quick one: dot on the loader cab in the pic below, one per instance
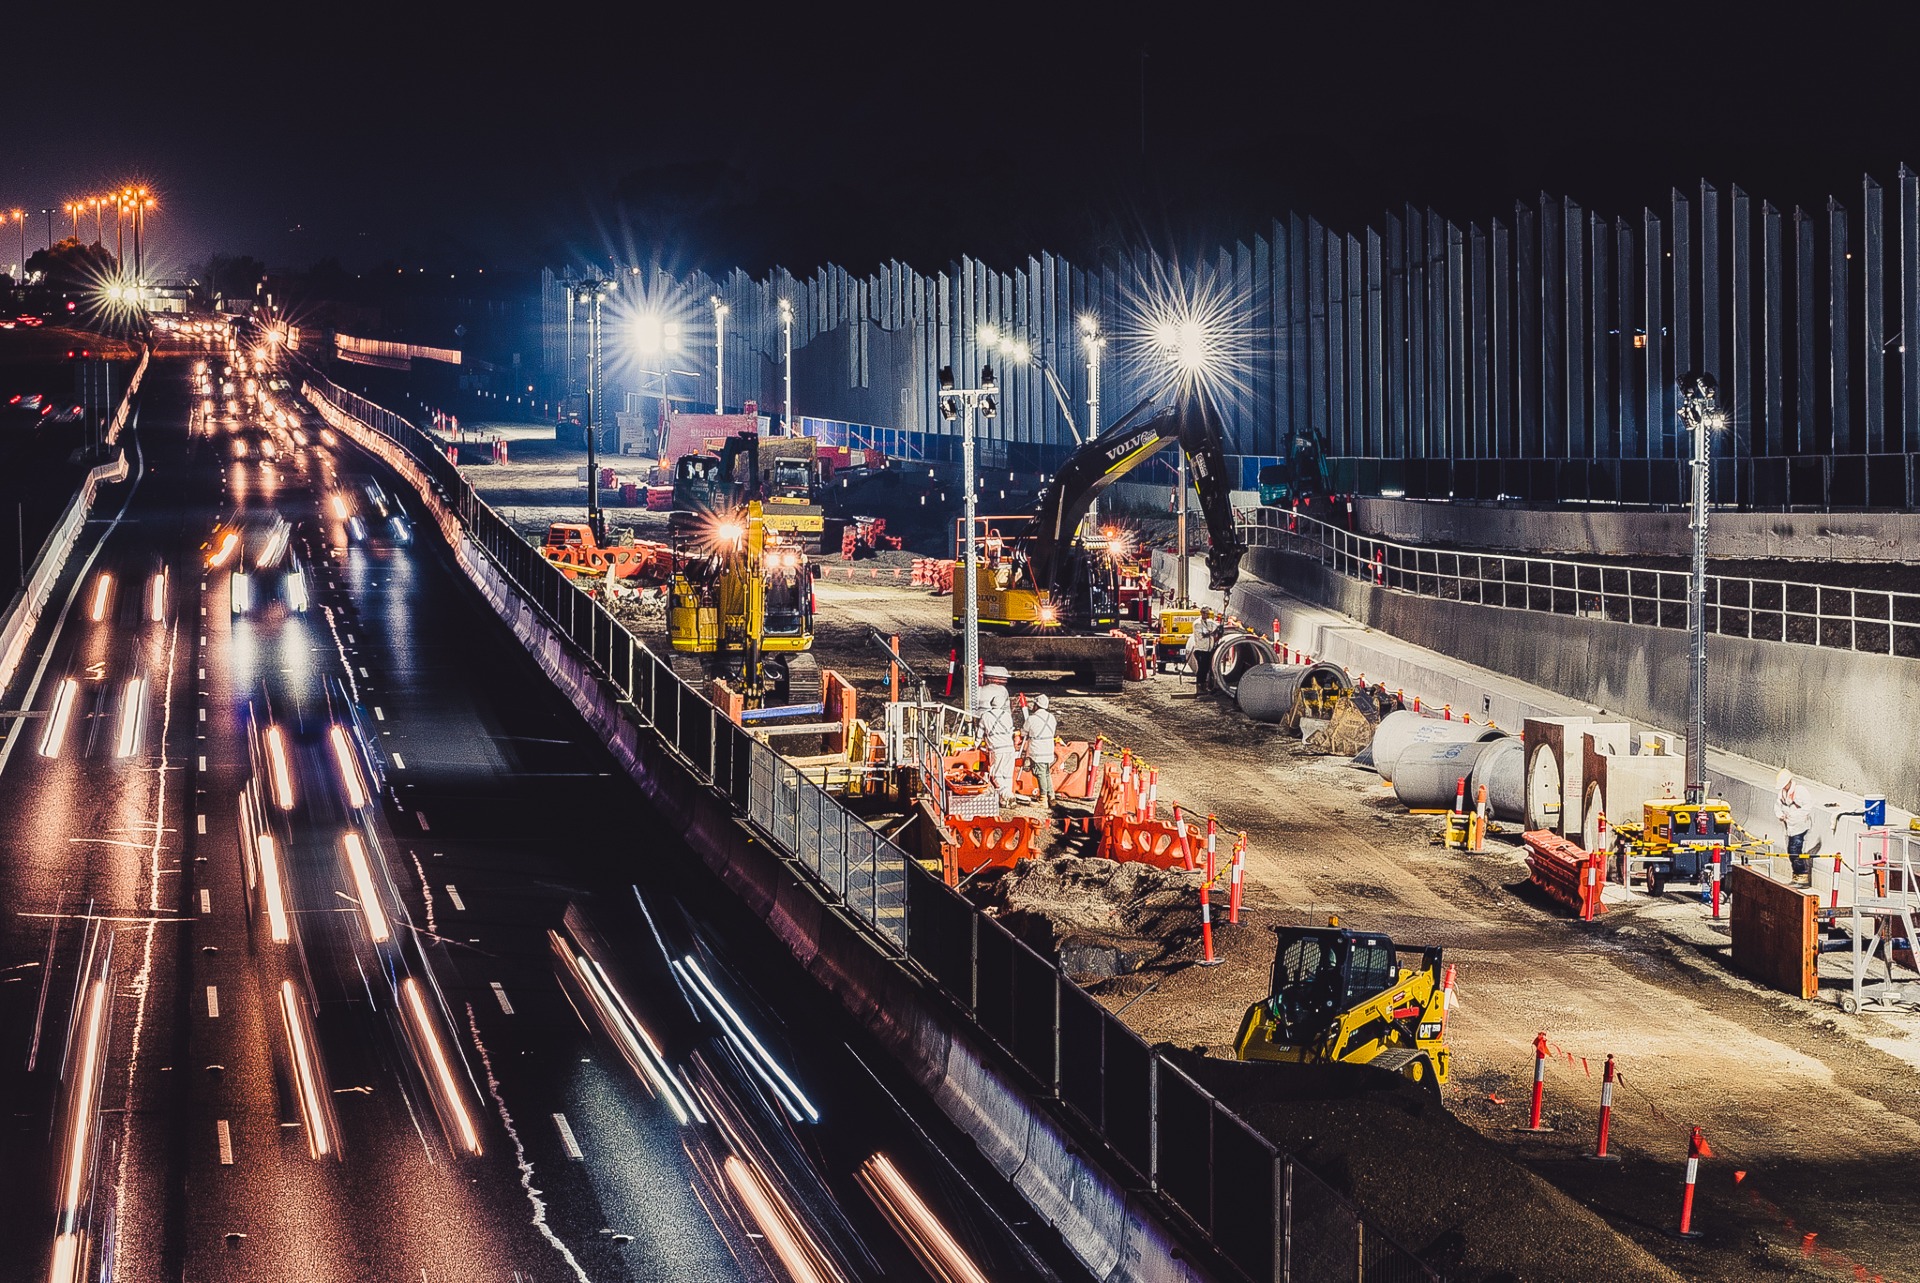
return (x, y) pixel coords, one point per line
(789, 587)
(700, 483)
(791, 481)
(1320, 972)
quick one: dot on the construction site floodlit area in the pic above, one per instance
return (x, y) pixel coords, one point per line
(1536, 1007)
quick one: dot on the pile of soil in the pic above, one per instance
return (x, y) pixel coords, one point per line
(1437, 1187)
(1104, 918)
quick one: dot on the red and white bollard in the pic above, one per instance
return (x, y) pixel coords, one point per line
(1093, 765)
(1233, 888)
(1276, 630)
(1600, 1153)
(1416, 703)
(1212, 828)
(1153, 793)
(1446, 712)
(1446, 997)
(1539, 1083)
(1716, 872)
(1206, 925)
(1186, 845)
(1697, 1149)
(952, 655)
(1835, 901)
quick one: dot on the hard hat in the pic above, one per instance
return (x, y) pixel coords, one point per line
(1040, 700)
(995, 673)
(1783, 779)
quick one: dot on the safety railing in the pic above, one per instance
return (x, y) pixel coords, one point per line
(1267, 1214)
(1873, 621)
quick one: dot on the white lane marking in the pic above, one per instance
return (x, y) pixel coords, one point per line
(200, 823)
(203, 610)
(422, 817)
(206, 900)
(453, 894)
(363, 670)
(500, 995)
(520, 1153)
(225, 1135)
(203, 761)
(399, 762)
(566, 1136)
(203, 714)
(203, 639)
(203, 674)
(378, 714)
(213, 1002)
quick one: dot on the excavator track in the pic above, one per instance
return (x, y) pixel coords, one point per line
(803, 680)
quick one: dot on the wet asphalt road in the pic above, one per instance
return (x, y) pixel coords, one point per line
(444, 1103)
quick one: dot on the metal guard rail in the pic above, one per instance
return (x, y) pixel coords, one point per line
(1268, 1214)
(1872, 621)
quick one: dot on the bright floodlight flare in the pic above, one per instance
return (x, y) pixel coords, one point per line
(442, 1070)
(278, 768)
(915, 1222)
(57, 719)
(305, 1072)
(783, 1232)
(132, 715)
(102, 591)
(228, 543)
(363, 885)
(270, 890)
(1189, 334)
(157, 597)
(240, 592)
(349, 768)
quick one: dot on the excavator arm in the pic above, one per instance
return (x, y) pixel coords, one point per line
(1111, 456)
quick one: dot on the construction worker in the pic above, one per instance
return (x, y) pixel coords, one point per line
(1041, 728)
(1794, 816)
(996, 731)
(1200, 643)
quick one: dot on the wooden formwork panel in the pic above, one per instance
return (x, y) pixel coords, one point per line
(1774, 937)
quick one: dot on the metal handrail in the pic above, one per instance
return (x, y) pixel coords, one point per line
(1869, 620)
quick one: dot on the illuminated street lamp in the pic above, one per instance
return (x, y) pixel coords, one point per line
(19, 217)
(786, 328)
(1700, 411)
(74, 207)
(1021, 352)
(595, 290)
(952, 401)
(719, 356)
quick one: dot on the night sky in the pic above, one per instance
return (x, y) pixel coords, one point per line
(716, 134)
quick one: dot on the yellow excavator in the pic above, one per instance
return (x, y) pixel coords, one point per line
(1341, 996)
(740, 607)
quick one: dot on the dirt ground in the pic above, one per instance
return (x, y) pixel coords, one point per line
(1813, 1129)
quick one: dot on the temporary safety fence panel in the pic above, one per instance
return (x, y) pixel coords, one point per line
(1272, 1218)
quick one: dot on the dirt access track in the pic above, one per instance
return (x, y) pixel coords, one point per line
(1815, 1132)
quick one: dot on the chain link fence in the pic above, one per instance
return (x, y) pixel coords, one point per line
(1269, 1216)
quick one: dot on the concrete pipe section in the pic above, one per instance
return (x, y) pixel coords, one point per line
(1546, 787)
(1399, 730)
(1502, 769)
(1234, 655)
(1427, 777)
(1276, 692)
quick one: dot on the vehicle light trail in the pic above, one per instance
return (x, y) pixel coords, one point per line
(228, 542)
(784, 1234)
(132, 714)
(157, 597)
(785, 1090)
(636, 1044)
(442, 1071)
(363, 884)
(56, 732)
(278, 768)
(297, 590)
(102, 590)
(914, 1221)
(270, 889)
(305, 1072)
(349, 769)
(340, 508)
(66, 1264)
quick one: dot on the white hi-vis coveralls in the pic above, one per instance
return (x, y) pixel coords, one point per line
(996, 729)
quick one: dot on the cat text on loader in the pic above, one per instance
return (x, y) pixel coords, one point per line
(1343, 996)
(740, 607)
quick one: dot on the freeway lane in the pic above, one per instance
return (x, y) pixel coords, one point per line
(420, 1059)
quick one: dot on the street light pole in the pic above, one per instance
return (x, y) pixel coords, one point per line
(953, 400)
(1700, 411)
(786, 326)
(593, 291)
(1090, 332)
(719, 356)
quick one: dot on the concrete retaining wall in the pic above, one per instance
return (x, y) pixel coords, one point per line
(1838, 718)
(1611, 532)
(1116, 1233)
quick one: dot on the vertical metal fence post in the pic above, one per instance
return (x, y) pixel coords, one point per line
(1283, 1218)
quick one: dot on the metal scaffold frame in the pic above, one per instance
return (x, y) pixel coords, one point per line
(1884, 891)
